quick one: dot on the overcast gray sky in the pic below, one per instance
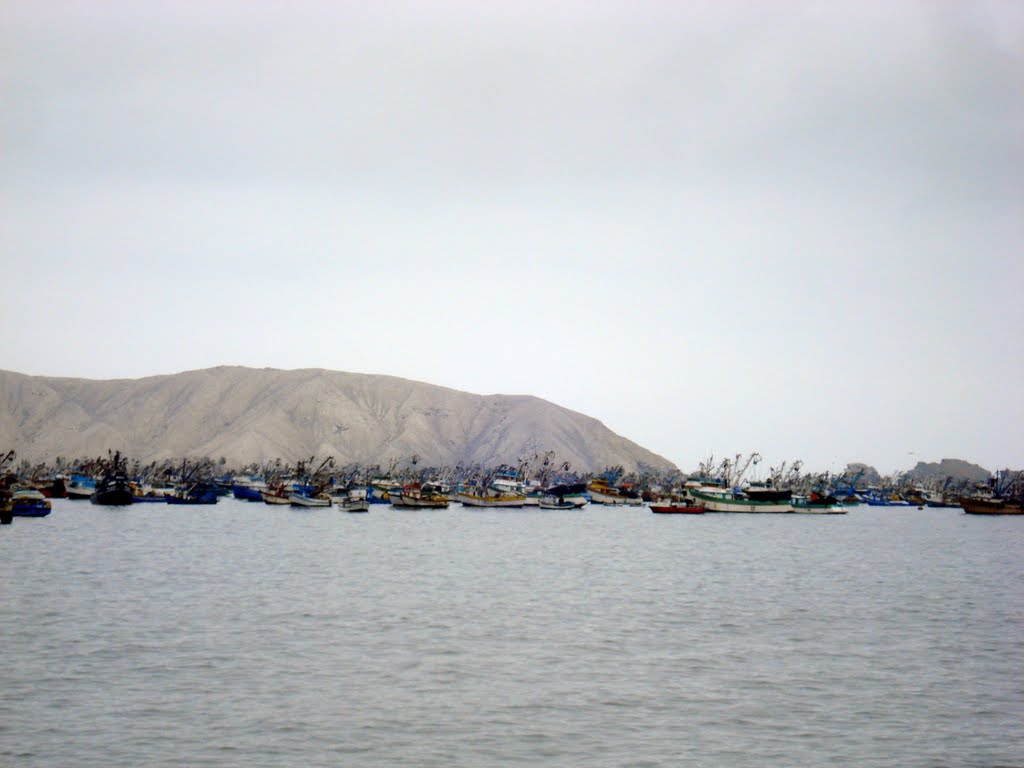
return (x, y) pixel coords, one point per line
(789, 227)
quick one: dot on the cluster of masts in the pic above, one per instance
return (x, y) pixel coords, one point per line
(539, 470)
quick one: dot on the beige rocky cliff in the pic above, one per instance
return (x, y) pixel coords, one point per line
(255, 415)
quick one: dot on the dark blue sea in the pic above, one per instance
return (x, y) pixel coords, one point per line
(250, 635)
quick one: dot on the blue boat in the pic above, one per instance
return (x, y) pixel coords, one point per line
(29, 503)
(248, 488)
(81, 486)
(197, 493)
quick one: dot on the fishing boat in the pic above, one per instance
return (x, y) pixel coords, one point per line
(29, 502)
(52, 488)
(151, 494)
(602, 492)
(419, 496)
(990, 506)
(569, 496)
(352, 499)
(309, 499)
(114, 489)
(355, 505)
(247, 488)
(501, 488)
(767, 493)
(81, 486)
(276, 494)
(308, 488)
(718, 499)
(507, 501)
(876, 497)
(816, 504)
(197, 493)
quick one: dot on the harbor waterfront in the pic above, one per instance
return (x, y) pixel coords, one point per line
(259, 635)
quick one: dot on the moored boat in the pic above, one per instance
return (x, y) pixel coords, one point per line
(151, 495)
(816, 504)
(193, 495)
(275, 494)
(81, 486)
(419, 496)
(727, 500)
(677, 507)
(569, 496)
(29, 502)
(990, 506)
(602, 492)
(247, 488)
(485, 498)
(502, 488)
(309, 500)
(355, 505)
(114, 489)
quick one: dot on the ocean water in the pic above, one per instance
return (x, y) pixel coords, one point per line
(250, 635)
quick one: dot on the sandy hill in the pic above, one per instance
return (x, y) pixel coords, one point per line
(246, 414)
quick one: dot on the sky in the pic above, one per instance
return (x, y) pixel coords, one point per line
(795, 228)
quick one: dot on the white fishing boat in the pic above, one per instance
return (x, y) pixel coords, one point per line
(355, 505)
(309, 500)
(502, 489)
(564, 497)
(603, 492)
(816, 504)
(417, 496)
(717, 499)
(275, 494)
(489, 499)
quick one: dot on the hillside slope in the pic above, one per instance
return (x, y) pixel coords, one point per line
(246, 415)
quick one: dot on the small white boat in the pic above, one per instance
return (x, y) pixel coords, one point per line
(303, 500)
(354, 505)
(275, 495)
(416, 496)
(502, 489)
(564, 497)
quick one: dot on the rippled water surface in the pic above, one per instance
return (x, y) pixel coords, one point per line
(251, 635)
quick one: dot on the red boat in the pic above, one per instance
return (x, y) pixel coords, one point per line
(676, 508)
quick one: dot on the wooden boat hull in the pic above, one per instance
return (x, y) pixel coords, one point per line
(411, 502)
(676, 509)
(508, 502)
(597, 497)
(991, 506)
